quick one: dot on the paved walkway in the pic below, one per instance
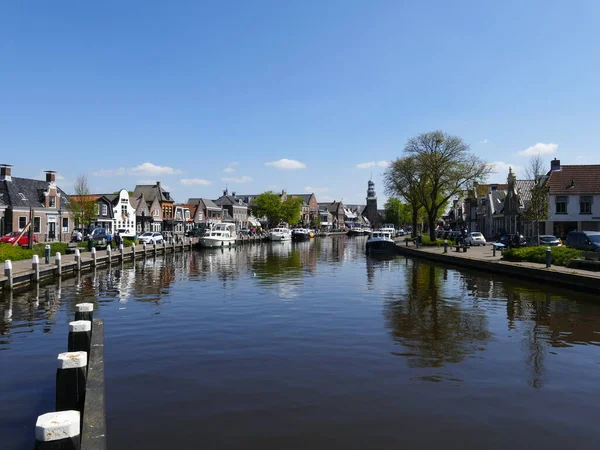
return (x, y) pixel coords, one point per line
(485, 253)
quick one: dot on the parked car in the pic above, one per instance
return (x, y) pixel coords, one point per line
(584, 240)
(400, 232)
(549, 240)
(476, 238)
(10, 238)
(509, 240)
(98, 235)
(149, 237)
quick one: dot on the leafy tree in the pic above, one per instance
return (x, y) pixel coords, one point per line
(401, 179)
(444, 168)
(268, 205)
(291, 210)
(82, 205)
(397, 212)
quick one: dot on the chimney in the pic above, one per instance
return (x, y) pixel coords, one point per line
(5, 171)
(555, 164)
(50, 176)
(159, 183)
(233, 193)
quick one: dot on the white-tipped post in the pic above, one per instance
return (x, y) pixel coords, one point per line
(121, 248)
(80, 336)
(154, 247)
(58, 431)
(77, 260)
(8, 273)
(84, 311)
(58, 261)
(94, 257)
(35, 266)
(109, 253)
(133, 250)
(70, 381)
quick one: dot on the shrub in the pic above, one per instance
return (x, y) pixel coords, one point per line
(426, 241)
(127, 241)
(561, 256)
(61, 247)
(14, 253)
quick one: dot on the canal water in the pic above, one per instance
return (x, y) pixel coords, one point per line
(314, 345)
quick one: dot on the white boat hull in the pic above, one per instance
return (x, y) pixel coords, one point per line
(280, 237)
(208, 242)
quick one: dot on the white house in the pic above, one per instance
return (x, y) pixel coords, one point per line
(574, 198)
(124, 214)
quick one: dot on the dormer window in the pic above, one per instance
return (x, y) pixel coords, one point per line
(52, 201)
(104, 210)
(22, 196)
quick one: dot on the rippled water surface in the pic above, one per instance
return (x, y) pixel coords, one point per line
(314, 345)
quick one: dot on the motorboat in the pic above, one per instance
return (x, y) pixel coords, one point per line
(280, 234)
(381, 242)
(221, 235)
(300, 234)
(357, 231)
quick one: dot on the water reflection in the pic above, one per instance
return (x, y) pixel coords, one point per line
(434, 327)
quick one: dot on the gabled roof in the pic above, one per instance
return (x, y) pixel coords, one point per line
(524, 188)
(574, 180)
(151, 191)
(209, 204)
(230, 200)
(305, 198)
(497, 201)
(332, 207)
(25, 192)
(359, 208)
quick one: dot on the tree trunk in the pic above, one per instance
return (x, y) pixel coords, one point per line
(431, 224)
(415, 218)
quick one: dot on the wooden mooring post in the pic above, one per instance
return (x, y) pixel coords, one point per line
(80, 422)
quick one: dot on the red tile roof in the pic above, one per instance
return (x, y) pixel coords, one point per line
(574, 180)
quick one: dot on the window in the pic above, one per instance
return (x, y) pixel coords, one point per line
(52, 202)
(124, 200)
(585, 204)
(37, 225)
(561, 204)
(124, 210)
(104, 210)
(22, 222)
(65, 224)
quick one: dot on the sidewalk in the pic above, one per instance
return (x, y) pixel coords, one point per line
(482, 258)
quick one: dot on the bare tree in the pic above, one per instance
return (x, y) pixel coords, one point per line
(445, 168)
(82, 204)
(538, 206)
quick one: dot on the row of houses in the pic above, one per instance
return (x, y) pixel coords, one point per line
(573, 203)
(149, 208)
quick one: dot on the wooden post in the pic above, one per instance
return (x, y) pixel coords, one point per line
(121, 248)
(35, 266)
(133, 250)
(8, 273)
(85, 311)
(164, 246)
(109, 254)
(144, 249)
(58, 261)
(80, 335)
(70, 381)
(154, 247)
(77, 260)
(58, 431)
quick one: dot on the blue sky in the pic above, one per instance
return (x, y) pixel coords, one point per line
(298, 95)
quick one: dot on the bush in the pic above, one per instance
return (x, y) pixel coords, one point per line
(561, 256)
(14, 253)
(55, 247)
(426, 241)
(127, 241)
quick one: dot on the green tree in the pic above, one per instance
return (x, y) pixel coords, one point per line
(82, 205)
(444, 168)
(397, 212)
(401, 179)
(291, 210)
(268, 205)
(538, 206)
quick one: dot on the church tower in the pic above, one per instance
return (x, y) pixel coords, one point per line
(371, 209)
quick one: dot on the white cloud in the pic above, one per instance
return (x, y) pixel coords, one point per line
(194, 182)
(315, 189)
(231, 167)
(146, 168)
(539, 148)
(242, 179)
(366, 165)
(286, 164)
(485, 141)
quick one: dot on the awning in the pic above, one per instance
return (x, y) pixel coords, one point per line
(253, 221)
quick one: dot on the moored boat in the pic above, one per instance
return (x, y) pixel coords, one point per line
(300, 234)
(381, 242)
(280, 234)
(221, 235)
